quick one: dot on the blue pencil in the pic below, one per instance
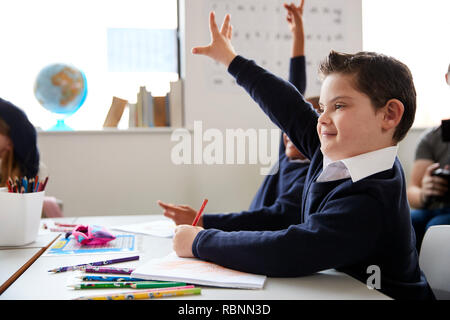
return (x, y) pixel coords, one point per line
(25, 184)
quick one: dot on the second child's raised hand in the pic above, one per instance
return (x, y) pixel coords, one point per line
(220, 48)
(294, 17)
(295, 21)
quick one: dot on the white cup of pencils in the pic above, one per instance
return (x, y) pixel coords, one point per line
(21, 210)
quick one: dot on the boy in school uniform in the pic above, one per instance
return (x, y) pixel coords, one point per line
(355, 212)
(280, 192)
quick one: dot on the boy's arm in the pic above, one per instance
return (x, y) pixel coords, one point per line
(279, 99)
(331, 238)
(297, 68)
(297, 64)
(297, 73)
(284, 212)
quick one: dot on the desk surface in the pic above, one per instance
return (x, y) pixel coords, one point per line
(12, 260)
(328, 284)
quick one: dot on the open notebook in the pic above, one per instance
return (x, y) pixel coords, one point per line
(195, 271)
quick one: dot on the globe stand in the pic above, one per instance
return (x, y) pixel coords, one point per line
(60, 126)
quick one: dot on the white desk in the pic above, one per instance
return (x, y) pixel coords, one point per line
(15, 260)
(325, 285)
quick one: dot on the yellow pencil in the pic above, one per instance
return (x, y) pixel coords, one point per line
(147, 294)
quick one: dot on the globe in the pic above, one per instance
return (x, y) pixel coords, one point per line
(61, 89)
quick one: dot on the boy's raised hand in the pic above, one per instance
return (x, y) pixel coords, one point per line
(220, 48)
(180, 214)
(294, 18)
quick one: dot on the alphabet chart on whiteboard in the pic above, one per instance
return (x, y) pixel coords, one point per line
(261, 33)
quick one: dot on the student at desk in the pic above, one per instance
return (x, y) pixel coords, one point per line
(19, 154)
(280, 192)
(355, 212)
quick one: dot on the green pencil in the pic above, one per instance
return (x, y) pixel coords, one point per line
(134, 285)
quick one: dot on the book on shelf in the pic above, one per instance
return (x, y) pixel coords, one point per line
(159, 105)
(144, 108)
(158, 111)
(132, 115)
(175, 101)
(115, 112)
(147, 106)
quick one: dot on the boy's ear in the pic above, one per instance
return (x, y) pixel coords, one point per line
(392, 114)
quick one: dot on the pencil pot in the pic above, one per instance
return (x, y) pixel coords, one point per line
(20, 216)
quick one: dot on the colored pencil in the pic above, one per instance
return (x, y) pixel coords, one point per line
(134, 285)
(10, 187)
(25, 183)
(30, 185)
(64, 230)
(65, 225)
(98, 263)
(199, 213)
(108, 278)
(44, 184)
(109, 270)
(147, 294)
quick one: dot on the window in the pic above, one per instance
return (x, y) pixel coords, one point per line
(90, 35)
(416, 33)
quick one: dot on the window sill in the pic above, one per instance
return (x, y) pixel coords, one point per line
(109, 131)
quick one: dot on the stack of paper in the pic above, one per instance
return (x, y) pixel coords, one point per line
(195, 271)
(159, 228)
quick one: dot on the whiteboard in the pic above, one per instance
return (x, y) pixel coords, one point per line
(260, 33)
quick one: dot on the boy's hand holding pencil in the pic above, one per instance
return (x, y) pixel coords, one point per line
(185, 235)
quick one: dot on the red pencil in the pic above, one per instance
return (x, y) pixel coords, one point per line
(10, 189)
(199, 213)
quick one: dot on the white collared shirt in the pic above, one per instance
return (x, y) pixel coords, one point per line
(358, 167)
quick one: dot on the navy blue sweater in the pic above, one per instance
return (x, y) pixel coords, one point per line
(280, 193)
(343, 225)
(275, 185)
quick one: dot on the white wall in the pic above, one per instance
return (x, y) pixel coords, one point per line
(125, 172)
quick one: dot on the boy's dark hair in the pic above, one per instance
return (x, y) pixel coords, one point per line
(381, 78)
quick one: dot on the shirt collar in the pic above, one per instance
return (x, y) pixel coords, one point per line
(367, 164)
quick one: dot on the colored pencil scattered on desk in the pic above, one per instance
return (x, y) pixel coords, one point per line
(109, 270)
(108, 278)
(93, 264)
(26, 185)
(64, 230)
(147, 294)
(134, 285)
(65, 225)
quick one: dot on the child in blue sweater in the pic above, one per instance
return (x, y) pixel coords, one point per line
(355, 212)
(280, 193)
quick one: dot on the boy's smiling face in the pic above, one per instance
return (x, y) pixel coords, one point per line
(348, 124)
